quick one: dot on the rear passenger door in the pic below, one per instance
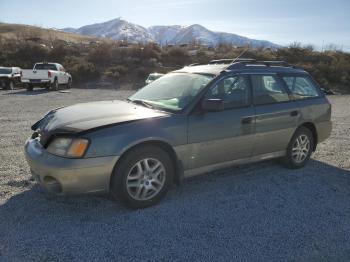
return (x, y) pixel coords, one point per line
(276, 116)
(314, 106)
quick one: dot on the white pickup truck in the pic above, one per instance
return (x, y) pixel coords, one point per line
(48, 75)
(10, 77)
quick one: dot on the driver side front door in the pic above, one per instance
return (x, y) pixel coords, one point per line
(222, 136)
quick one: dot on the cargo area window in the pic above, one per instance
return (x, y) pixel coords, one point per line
(300, 86)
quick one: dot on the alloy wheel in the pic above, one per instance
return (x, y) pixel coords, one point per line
(301, 148)
(145, 179)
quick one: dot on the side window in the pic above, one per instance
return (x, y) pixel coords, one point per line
(267, 90)
(301, 86)
(233, 90)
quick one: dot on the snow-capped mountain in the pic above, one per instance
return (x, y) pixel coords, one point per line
(119, 29)
(116, 29)
(196, 33)
(164, 34)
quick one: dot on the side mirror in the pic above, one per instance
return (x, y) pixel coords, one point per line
(212, 105)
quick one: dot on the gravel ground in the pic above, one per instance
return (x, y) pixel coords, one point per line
(259, 212)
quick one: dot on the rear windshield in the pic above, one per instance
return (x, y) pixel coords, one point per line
(45, 67)
(5, 70)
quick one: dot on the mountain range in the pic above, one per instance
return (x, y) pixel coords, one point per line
(118, 29)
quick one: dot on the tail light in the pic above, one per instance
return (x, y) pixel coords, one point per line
(49, 74)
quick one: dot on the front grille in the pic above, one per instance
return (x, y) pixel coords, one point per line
(35, 135)
(41, 136)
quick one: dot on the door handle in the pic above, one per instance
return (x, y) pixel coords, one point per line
(294, 113)
(247, 120)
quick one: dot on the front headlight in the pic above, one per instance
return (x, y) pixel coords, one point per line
(68, 147)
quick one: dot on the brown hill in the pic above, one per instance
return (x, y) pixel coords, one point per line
(39, 34)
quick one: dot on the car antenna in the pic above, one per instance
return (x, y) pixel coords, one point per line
(234, 60)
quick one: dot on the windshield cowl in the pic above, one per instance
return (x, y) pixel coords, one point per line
(148, 105)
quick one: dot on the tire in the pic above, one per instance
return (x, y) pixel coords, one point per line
(54, 85)
(299, 149)
(29, 87)
(137, 186)
(69, 84)
(10, 85)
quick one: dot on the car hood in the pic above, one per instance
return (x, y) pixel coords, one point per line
(85, 116)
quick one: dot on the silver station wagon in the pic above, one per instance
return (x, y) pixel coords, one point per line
(188, 122)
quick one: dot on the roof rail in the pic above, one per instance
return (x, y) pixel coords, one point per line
(240, 64)
(230, 61)
(195, 64)
(274, 63)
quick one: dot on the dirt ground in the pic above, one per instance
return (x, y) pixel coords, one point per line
(246, 213)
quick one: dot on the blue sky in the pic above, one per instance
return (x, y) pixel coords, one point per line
(314, 22)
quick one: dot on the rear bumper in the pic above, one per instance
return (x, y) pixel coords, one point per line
(68, 176)
(324, 130)
(38, 82)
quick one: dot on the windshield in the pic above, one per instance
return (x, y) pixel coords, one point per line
(5, 70)
(45, 67)
(152, 77)
(173, 91)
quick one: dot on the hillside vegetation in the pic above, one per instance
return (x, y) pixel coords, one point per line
(128, 65)
(21, 32)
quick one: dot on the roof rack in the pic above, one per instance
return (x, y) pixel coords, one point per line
(224, 61)
(241, 64)
(195, 64)
(274, 63)
(230, 61)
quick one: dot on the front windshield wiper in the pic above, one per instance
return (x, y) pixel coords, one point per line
(149, 105)
(140, 102)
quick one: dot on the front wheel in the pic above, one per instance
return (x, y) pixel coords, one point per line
(299, 149)
(54, 85)
(142, 177)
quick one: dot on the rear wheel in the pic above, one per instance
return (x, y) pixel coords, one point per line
(69, 84)
(299, 149)
(29, 87)
(142, 177)
(10, 85)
